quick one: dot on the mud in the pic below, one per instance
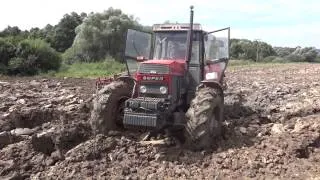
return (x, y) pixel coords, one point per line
(271, 131)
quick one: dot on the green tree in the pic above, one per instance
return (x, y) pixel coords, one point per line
(36, 33)
(102, 34)
(249, 49)
(263, 50)
(46, 33)
(283, 51)
(235, 49)
(308, 54)
(10, 31)
(246, 49)
(7, 51)
(64, 31)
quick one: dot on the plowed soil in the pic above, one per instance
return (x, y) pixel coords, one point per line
(272, 131)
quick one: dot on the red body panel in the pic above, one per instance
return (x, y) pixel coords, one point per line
(177, 66)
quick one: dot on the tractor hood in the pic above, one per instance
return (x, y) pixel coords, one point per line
(176, 67)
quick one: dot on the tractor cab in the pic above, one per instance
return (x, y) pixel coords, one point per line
(171, 41)
(168, 42)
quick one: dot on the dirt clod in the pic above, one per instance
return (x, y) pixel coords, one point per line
(43, 144)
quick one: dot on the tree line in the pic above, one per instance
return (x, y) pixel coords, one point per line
(263, 52)
(95, 36)
(76, 38)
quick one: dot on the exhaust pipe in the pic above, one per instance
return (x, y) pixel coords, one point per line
(189, 50)
(189, 38)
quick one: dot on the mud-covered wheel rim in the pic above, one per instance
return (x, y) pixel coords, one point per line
(120, 111)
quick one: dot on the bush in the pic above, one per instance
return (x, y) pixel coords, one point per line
(21, 66)
(3, 69)
(317, 59)
(33, 56)
(295, 58)
(240, 62)
(72, 55)
(269, 59)
(280, 60)
(7, 51)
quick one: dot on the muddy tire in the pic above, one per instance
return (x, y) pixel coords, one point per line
(107, 111)
(204, 119)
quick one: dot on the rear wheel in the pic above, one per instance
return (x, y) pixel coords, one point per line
(108, 106)
(204, 118)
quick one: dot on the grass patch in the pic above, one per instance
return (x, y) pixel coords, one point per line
(249, 63)
(241, 62)
(89, 70)
(235, 64)
(110, 67)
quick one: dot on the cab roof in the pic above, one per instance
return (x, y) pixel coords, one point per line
(175, 27)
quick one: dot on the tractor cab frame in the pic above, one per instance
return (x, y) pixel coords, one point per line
(209, 52)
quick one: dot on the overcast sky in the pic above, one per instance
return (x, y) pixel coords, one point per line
(278, 22)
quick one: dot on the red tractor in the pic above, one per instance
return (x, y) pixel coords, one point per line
(174, 81)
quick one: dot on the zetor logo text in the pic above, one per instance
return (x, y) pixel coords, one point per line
(156, 78)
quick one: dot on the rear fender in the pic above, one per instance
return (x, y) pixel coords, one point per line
(212, 84)
(216, 66)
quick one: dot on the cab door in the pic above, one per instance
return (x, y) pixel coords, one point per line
(217, 54)
(138, 48)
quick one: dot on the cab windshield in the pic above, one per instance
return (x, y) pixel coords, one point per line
(173, 45)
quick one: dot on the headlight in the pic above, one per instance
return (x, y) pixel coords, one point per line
(163, 90)
(212, 75)
(143, 89)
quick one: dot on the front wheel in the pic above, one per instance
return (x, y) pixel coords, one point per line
(204, 118)
(108, 106)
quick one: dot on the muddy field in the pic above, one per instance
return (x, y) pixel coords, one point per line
(272, 131)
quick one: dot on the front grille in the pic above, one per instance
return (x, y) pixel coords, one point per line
(152, 89)
(154, 69)
(140, 119)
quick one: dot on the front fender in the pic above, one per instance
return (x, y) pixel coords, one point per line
(132, 83)
(128, 79)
